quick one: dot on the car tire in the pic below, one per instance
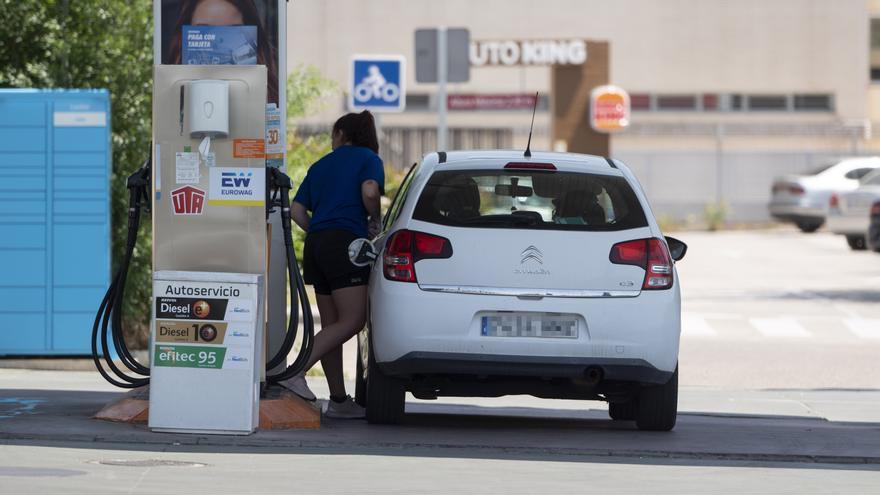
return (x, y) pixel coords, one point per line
(360, 383)
(808, 227)
(657, 406)
(385, 395)
(857, 242)
(623, 411)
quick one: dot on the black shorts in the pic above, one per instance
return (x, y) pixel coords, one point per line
(326, 264)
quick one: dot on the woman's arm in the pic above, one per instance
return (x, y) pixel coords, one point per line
(371, 197)
(300, 215)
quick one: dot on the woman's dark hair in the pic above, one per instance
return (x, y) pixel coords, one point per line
(250, 17)
(359, 129)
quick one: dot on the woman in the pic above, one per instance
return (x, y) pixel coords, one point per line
(226, 13)
(342, 192)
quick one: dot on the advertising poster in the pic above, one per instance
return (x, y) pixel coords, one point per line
(220, 32)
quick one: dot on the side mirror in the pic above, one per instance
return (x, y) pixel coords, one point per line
(677, 249)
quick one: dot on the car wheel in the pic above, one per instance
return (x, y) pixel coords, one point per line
(856, 242)
(622, 411)
(385, 395)
(808, 227)
(657, 406)
(360, 383)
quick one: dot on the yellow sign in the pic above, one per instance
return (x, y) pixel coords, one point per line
(190, 332)
(609, 109)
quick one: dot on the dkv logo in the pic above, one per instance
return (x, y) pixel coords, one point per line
(188, 200)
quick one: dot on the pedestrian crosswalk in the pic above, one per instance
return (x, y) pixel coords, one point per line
(695, 325)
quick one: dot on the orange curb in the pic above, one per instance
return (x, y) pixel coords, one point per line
(284, 412)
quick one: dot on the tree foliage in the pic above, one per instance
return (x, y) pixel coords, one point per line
(94, 44)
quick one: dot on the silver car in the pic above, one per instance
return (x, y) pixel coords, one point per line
(803, 199)
(848, 213)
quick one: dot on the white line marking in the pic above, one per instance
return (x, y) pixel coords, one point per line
(786, 328)
(866, 328)
(693, 325)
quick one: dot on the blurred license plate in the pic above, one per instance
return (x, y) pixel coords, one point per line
(546, 325)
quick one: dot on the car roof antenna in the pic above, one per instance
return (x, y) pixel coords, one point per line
(528, 153)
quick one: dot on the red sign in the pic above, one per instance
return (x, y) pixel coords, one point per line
(188, 200)
(491, 102)
(609, 109)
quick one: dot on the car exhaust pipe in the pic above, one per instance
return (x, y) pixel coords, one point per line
(593, 375)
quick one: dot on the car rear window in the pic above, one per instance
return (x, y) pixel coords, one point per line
(537, 200)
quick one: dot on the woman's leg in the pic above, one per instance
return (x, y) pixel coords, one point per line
(332, 360)
(351, 308)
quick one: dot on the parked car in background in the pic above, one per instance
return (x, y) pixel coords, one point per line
(849, 212)
(873, 240)
(546, 275)
(803, 199)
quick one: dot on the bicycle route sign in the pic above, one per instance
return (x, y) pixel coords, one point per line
(377, 83)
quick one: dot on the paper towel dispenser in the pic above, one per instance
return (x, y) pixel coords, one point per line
(208, 108)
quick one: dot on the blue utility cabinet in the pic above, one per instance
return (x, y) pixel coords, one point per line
(54, 218)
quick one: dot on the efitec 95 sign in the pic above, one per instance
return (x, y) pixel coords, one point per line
(609, 109)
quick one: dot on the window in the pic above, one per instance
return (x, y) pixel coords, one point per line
(676, 102)
(399, 198)
(875, 50)
(809, 102)
(763, 103)
(418, 102)
(873, 178)
(710, 102)
(858, 173)
(529, 200)
(640, 101)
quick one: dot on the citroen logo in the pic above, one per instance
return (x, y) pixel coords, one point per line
(532, 253)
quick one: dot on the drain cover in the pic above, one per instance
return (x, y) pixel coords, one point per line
(148, 463)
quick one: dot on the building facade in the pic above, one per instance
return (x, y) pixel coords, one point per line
(725, 95)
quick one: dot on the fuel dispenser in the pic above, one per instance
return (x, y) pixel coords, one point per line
(210, 195)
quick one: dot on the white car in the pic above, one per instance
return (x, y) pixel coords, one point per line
(849, 212)
(803, 199)
(502, 274)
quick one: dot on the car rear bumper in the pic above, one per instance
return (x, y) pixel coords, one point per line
(796, 213)
(406, 321)
(443, 363)
(848, 224)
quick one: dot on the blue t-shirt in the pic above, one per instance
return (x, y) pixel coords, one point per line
(332, 189)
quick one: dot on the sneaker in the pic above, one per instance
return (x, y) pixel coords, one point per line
(298, 385)
(347, 409)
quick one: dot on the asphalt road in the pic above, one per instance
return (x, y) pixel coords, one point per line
(779, 309)
(780, 394)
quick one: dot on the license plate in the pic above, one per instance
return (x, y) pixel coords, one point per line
(542, 325)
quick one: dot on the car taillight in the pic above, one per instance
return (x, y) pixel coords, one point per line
(406, 247)
(834, 202)
(650, 254)
(795, 190)
(875, 209)
(530, 166)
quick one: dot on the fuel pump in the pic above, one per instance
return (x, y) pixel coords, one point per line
(210, 195)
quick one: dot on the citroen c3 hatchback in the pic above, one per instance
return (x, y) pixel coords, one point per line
(502, 274)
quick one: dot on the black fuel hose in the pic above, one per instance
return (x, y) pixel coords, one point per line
(299, 300)
(109, 316)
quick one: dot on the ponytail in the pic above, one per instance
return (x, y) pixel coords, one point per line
(359, 129)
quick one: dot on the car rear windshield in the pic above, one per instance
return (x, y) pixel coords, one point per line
(539, 200)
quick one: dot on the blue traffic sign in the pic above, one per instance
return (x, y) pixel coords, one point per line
(377, 83)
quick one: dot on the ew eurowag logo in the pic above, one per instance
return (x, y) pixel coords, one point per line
(236, 183)
(531, 253)
(188, 200)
